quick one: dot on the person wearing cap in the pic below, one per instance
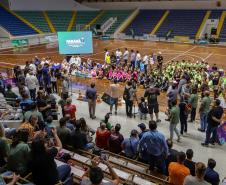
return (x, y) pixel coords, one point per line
(153, 148)
(143, 129)
(129, 145)
(203, 111)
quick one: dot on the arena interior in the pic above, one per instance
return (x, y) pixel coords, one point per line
(97, 92)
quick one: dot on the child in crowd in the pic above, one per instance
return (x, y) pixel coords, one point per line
(143, 109)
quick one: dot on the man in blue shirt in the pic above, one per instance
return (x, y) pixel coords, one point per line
(143, 129)
(153, 147)
(91, 96)
(211, 175)
(130, 145)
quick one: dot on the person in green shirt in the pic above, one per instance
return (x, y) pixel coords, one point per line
(33, 112)
(109, 126)
(19, 153)
(174, 120)
(204, 109)
(64, 133)
(4, 147)
(193, 100)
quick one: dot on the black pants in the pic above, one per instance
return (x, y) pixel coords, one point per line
(129, 107)
(193, 114)
(54, 87)
(184, 124)
(157, 162)
(32, 93)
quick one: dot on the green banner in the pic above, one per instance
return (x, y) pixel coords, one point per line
(19, 42)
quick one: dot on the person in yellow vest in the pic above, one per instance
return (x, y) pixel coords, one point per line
(108, 59)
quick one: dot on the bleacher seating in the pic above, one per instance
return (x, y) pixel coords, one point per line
(83, 18)
(145, 22)
(13, 25)
(60, 19)
(215, 14)
(120, 14)
(128, 170)
(36, 18)
(182, 22)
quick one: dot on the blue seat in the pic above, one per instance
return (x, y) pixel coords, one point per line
(13, 25)
(145, 22)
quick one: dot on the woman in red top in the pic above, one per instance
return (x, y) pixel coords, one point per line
(102, 136)
(69, 108)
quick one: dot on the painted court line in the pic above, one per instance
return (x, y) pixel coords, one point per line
(208, 56)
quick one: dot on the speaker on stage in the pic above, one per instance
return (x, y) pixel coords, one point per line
(213, 31)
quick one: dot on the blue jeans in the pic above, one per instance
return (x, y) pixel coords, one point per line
(203, 121)
(64, 172)
(157, 162)
(173, 128)
(89, 146)
(211, 130)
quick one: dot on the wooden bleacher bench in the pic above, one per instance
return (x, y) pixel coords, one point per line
(128, 171)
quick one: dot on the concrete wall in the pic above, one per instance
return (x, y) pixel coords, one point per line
(183, 4)
(40, 5)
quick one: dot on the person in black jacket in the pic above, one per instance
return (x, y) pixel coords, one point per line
(189, 163)
(214, 119)
(79, 139)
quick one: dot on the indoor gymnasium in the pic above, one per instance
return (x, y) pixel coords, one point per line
(108, 92)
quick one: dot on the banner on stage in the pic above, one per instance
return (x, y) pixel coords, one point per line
(221, 131)
(78, 42)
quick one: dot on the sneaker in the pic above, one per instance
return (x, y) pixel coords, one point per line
(94, 117)
(115, 112)
(179, 140)
(204, 144)
(167, 119)
(199, 129)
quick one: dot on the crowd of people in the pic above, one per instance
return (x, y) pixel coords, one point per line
(38, 141)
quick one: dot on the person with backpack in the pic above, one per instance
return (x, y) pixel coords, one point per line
(127, 98)
(152, 93)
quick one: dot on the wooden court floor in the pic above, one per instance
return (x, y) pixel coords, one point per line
(170, 51)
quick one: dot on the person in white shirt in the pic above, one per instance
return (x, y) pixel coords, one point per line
(72, 60)
(31, 82)
(118, 55)
(126, 56)
(78, 61)
(33, 68)
(138, 60)
(146, 62)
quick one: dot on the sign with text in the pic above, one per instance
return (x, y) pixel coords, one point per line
(79, 42)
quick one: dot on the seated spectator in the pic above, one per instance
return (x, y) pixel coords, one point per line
(33, 111)
(106, 121)
(129, 145)
(49, 125)
(177, 170)
(102, 136)
(4, 147)
(10, 96)
(211, 175)
(64, 133)
(79, 139)
(95, 175)
(70, 108)
(189, 163)
(30, 126)
(143, 129)
(43, 167)
(25, 103)
(172, 156)
(70, 123)
(14, 178)
(86, 130)
(43, 106)
(198, 179)
(115, 140)
(19, 154)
